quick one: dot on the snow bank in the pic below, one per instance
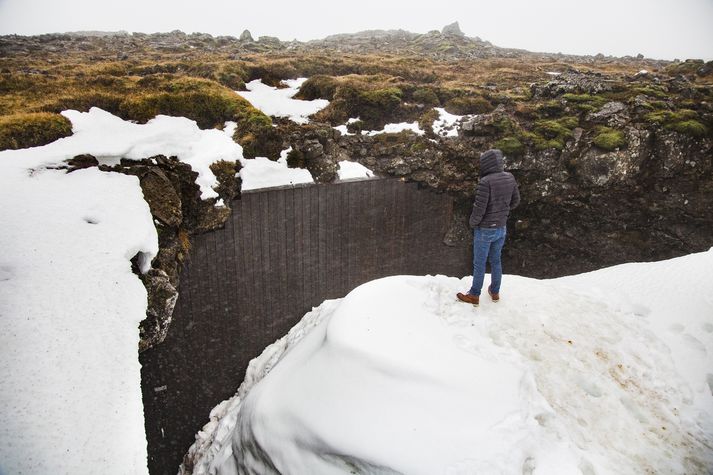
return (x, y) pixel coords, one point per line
(279, 102)
(445, 125)
(353, 170)
(587, 374)
(70, 305)
(396, 128)
(261, 172)
(110, 138)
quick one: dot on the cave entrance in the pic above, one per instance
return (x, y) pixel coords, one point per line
(282, 252)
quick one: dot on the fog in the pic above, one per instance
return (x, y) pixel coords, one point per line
(664, 29)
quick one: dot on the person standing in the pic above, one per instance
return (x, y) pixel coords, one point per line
(496, 194)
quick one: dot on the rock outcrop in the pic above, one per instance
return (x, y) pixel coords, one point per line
(452, 29)
(175, 202)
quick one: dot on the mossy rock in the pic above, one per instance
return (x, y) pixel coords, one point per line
(684, 121)
(425, 122)
(585, 98)
(651, 91)
(318, 87)
(510, 146)
(426, 96)
(609, 139)
(32, 130)
(689, 127)
(468, 105)
(355, 127)
(550, 109)
(256, 134)
(556, 129)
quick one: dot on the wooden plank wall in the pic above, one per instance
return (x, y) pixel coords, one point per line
(282, 252)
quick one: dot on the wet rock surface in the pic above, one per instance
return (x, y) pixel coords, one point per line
(174, 199)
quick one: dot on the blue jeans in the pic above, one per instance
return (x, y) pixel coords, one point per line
(487, 245)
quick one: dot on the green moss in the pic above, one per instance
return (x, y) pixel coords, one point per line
(651, 91)
(425, 96)
(689, 127)
(418, 147)
(551, 108)
(557, 128)
(204, 101)
(596, 101)
(468, 105)
(32, 130)
(684, 121)
(318, 87)
(256, 134)
(505, 125)
(510, 146)
(387, 98)
(553, 133)
(609, 139)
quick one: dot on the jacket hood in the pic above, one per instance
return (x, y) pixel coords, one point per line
(491, 161)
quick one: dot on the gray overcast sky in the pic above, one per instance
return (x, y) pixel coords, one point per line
(663, 29)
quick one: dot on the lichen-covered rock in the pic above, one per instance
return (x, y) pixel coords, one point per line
(162, 296)
(245, 36)
(607, 112)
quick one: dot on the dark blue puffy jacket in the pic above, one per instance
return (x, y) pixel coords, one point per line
(496, 193)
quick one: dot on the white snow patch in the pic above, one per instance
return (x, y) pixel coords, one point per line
(353, 170)
(396, 128)
(553, 73)
(110, 138)
(279, 102)
(261, 172)
(343, 128)
(585, 374)
(446, 124)
(70, 305)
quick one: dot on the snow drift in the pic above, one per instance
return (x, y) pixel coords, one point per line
(605, 372)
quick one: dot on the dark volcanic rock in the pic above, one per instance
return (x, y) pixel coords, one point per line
(162, 296)
(162, 198)
(177, 208)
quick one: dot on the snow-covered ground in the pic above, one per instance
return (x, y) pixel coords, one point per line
(263, 173)
(279, 102)
(70, 306)
(446, 124)
(110, 138)
(602, 373)
(353, 170)
(396, 128)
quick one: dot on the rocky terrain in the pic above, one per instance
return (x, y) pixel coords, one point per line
(614, 155)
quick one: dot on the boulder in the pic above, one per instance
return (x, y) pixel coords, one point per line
(452, 29)
(609, 112)
(246, 37)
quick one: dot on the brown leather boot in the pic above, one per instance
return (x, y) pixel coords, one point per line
(468, 298)
(495, 297)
